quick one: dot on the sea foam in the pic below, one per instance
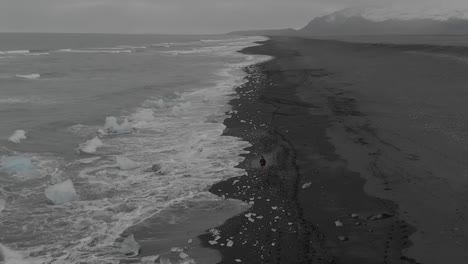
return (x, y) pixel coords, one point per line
(29, 76)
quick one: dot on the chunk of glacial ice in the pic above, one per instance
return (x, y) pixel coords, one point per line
(125, 163)
(17, 136)
(91, 145)
(61, 193)
(111, 126)
(129, 246)
(18, 165)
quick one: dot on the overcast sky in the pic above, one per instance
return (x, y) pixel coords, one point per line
(176, 16)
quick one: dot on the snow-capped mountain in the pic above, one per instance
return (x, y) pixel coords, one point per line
(371, 21)
(399, 13)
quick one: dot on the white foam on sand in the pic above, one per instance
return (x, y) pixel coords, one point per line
(32, 76)
(17, 136)
(172, 133)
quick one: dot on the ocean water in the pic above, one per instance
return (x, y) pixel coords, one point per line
(84, 117)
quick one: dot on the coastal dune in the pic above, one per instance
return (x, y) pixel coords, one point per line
(365, 156)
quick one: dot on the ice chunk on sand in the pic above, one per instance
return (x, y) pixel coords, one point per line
(306, 185)
(125, 163)
(17, 136)
(91, 145)
(61, 193)
(18, 165)
(183, 255)
(113, 127)
(129, 246)
(338, 223)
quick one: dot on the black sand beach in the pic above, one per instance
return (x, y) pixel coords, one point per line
(339, 188)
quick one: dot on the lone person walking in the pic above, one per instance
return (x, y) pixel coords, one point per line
(262, 162)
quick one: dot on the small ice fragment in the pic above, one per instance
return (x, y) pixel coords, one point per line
(238, 260)
(112, 127)
(177, 249)
(125, 163)
(274, 207)
(190, 241)
(234, 182)
(183, 255)
(17, 136)
(342, 238)
(230, 243)
(61, 193)
(290, 223)
(217, 238)
(338, 223)
(306, 185)
(212, 242)
(354, 215)
(260, 217)
(129, 246)
(248, 215)
(91, 145)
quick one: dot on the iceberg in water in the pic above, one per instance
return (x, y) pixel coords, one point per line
(113, 127)
(125, 163)
(91, 145)
(18, 165)
(61, 193)
(130, 247)
(17, 136)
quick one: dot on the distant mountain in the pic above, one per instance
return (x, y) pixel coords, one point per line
(271, 32)
(382, 22)
(378, 21)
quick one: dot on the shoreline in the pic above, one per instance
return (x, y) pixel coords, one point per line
(309, 207)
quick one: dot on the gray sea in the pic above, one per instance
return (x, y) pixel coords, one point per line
(85, 117)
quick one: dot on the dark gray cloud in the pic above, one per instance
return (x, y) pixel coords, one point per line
(178, 16)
